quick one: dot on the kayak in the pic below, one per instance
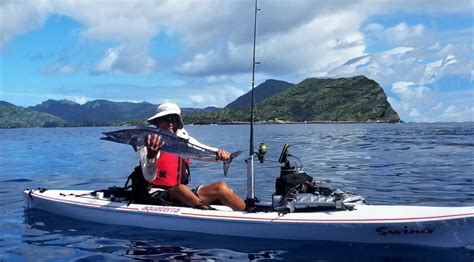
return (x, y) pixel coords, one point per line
(380, 224)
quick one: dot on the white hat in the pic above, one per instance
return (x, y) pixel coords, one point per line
(168, 109)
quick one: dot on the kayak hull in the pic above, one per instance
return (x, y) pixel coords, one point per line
(413, 225)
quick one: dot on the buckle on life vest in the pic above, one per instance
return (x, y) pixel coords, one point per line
(163, 174)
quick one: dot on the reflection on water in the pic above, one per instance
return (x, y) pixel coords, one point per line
(48, 230)
(61, 237)
(428, 164)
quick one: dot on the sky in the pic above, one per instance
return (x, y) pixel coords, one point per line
(199, 53)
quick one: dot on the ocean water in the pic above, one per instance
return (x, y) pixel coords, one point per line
(409, 164)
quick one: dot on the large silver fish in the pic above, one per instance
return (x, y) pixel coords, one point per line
(136, 137)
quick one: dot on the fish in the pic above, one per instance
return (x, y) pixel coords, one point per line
(137, 137)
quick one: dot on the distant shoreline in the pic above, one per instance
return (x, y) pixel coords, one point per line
(261, 123)
(298, 122)
(219, 123)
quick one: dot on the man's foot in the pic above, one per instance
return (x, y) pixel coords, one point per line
(204, 207)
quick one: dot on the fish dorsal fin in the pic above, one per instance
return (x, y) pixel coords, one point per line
(145, 127)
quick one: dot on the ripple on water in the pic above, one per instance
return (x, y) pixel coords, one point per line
(413, 164)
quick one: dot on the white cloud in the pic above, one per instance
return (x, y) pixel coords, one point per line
(125, 60)
(296, 40)
(430, 109)
(308, 38)
(450, 109)
(219, 97)
(80, 99)
(438, 106)
(412, 75)
(108, 61)
(408, 91)
(410, 98)
(197, 99)
(20, 16)
(403, 34)
(414, 112)
(457, 115)
(60, 68)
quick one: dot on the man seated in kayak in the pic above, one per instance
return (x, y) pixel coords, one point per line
(171, 172)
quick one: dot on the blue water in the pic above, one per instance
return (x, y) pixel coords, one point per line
(410, 164)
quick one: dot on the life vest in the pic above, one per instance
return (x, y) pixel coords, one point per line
(171, 170)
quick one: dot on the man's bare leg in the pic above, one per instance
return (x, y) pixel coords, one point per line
(222, 192)
(183, 194)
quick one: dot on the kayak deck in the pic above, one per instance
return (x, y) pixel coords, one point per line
(418, 225)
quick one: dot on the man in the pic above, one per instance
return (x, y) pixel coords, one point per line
(171, 172)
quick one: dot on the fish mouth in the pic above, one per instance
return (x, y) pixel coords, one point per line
(110, 136)
(107, 138)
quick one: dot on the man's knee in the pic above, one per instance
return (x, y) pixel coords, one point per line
(179, 187)
(183, 189)
(223, 188)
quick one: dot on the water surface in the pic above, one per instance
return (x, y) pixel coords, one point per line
(399, 164)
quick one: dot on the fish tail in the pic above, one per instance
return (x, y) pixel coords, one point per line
(227, 162)
(226, 166)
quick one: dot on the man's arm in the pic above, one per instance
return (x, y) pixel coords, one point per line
(148, 155)
(221, 154)
(148, 165)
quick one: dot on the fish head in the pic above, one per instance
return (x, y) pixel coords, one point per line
(121, 136)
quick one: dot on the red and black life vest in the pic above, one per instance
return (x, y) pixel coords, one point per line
(171, 170)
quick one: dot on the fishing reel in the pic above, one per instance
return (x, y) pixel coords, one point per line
(286, 168)
(262, 151)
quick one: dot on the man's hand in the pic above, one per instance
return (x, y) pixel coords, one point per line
(222, 154)
(153, 146)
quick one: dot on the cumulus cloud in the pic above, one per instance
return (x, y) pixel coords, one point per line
(411, 74)
(60, 68)
(219, 97)
(197, 99)
(400, 34)
(18, 17)
(310, 39)
(408, 91)
(453, 114)
(125, 60)
(80, 99)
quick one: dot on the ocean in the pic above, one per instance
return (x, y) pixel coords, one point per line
(395, 164)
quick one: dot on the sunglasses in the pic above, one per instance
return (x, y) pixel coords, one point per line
(170, 118)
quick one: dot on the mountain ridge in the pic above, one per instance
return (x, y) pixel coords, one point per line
(12, 116)
(263, 91)
(352, 99)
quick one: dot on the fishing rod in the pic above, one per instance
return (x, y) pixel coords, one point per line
(250, 160)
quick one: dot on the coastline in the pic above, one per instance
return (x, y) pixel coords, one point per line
(278, 122)
(299, 122)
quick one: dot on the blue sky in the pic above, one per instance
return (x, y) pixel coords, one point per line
(198, 53)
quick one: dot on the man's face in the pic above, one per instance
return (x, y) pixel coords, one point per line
(168, 122)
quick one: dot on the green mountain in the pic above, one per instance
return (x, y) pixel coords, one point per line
(353, 99)
(97, 110)
(263, 91)
(12, 116)
(100, 111)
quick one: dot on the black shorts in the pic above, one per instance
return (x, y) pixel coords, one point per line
(163, 196)
(195, 190)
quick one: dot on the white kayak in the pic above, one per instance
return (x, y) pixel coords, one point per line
(381, 224)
